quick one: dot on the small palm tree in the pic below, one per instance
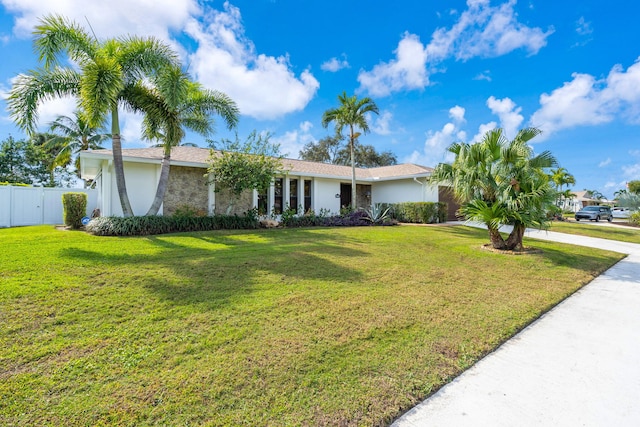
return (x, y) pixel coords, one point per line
(352, 114)
(105, 72)
(172, 104)
(73, 136)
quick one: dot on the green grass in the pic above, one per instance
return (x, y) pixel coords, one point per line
(623, 233)
(342, 326)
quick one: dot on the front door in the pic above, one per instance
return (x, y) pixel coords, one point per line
(345, 195)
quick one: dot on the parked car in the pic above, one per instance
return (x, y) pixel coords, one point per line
(620, 212)
(595, 213)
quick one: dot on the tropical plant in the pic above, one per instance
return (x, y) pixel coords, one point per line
(500, 182)
(634, 186)
(240, 166)
(595, 194)
(561, 177)
(102, 76)
(172, 104)
(331, 150)
(72, 136)
(377, 213)
(351, 113)
(74, 208)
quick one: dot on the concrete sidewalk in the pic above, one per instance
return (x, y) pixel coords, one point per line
(578, 365)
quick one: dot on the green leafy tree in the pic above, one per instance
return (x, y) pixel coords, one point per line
(561, 177)
(101, 78)
(72, 135)
(500, 182)
(28, 162)
(324, 151)
(171, 105)
(352, 113)
(634, 186)
(331, 150)
(240, 166)
(595, 194)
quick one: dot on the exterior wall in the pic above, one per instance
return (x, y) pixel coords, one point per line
(405, 190)
(363, 196)
(242, 204)
(141, 180)
(186, 187)
(324, 195)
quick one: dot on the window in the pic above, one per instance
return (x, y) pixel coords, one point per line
(293, 194)
(307, 195)
(278, 195)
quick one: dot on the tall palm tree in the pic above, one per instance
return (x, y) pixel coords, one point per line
(72, 136)
(105, 71)
(499, 182)
(172, 104)
(352, 114)
(561, 177)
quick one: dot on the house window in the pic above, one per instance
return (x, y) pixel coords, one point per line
(293, 194)
(278, 195)
(307, 195)
(263, 205)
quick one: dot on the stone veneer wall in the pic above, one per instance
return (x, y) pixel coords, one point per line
(187, 187)
(362, 201)
(242, 204)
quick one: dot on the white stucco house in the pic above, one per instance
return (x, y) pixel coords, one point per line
(303, 184)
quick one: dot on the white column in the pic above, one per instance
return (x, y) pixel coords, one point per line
(212, 197)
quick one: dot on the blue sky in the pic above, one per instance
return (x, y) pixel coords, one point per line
(440, 72)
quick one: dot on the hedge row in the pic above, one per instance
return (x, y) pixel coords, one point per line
(419, 212)
(353, 219)
(146, 225)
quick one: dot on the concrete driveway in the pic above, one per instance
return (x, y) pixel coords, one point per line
(578, 365)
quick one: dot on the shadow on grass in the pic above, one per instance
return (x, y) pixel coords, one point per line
(217, 267)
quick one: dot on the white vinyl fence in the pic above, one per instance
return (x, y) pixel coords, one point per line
(36, 205)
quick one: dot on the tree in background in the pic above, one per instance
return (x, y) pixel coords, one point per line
(172, 104)
(100, 77)
(561, 177)
(331, 150)
(28, 162)
(500, 182)
(352, 113)
(240, 166)
(595, 194)
(72, 135)
(634, 186)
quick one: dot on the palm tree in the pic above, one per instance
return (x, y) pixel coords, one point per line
(171, 105)
(74, 135)
(105, 72)
(561, 177)
(352, 113)
(499, 182)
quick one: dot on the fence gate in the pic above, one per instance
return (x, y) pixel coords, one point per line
(36, 205)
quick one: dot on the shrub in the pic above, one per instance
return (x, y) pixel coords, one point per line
(74, 209)
(146, 225)
(634, 218)
(420, 212)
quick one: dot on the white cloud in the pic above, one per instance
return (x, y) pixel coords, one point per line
(481, 31)
(632, 172)
(605, 162)
(382, 123)
(486, 31)
(293, 141)
(263, 86)
(508, 113)
(587, 101)
(407, 71)
(485, 75)
(111, 18)
(583, 27)
(436, 143)
(334, 64)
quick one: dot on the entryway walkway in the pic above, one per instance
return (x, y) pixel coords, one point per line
(578, 365)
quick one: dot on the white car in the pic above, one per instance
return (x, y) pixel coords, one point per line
(619, 212)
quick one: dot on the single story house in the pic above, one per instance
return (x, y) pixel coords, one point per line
(304, 185)
(580, 199)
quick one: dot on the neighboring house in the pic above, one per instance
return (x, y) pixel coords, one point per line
(579, 200)
(305, 185)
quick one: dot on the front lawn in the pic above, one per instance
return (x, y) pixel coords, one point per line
(337, 326)
(622, 233)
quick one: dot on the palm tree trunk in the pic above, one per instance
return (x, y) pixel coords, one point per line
(353, 172)
(514, 241)
(497, 242)
(118, 165)
(162, 185)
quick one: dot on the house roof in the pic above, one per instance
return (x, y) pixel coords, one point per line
(198, 157)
